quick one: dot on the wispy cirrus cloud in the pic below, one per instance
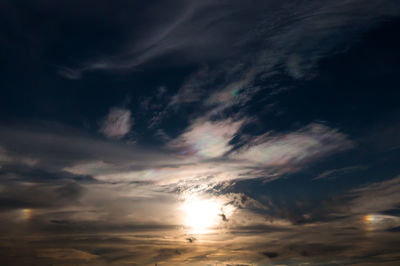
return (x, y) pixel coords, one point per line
(333, 173)
(308, 143)
(284, 31)
(385, 195)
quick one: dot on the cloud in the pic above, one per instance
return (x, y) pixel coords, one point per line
(384, 194)
(179, 29)
(69, 73)
(39, 174)
(208, 139)
(58, 148)
(202, 157)
(192, 89)
(331, 174)
(21, 195)
(290, 37)
(141, 191)
(270, 254)
(65, 254)
(247, 237)
(294, 38)
(117, 123)
(306, 144)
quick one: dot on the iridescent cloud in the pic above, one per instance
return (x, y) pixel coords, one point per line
(208, 139)
(310, 142)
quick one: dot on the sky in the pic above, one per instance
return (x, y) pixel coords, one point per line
(187, 132)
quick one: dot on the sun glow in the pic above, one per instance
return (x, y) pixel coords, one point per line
(26, 214)
(201, 214)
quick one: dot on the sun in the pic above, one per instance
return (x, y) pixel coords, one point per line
(201, 214)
